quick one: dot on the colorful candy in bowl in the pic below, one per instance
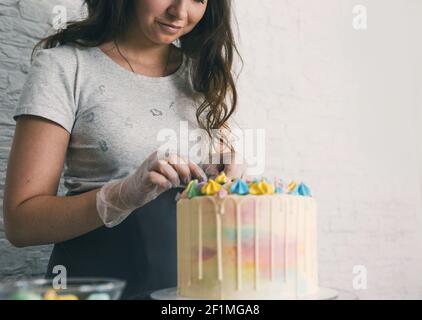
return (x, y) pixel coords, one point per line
(75, 289)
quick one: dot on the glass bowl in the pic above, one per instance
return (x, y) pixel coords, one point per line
(75, 289)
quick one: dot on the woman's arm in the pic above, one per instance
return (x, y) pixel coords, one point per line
(33, 214)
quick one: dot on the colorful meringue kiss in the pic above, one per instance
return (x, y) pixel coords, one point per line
(221, 178)
(304, 190)
(239, 187)
(291, 186)
(210, 188)
(262, 187)
(279, 186)
(192, 189)
(278, 190)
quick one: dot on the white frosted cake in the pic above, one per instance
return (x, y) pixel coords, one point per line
(246, 240)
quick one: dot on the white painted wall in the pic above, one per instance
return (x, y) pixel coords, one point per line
(341, 109)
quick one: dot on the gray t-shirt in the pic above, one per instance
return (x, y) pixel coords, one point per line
(113, 115)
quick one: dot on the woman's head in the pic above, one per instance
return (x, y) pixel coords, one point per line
(206, 37)
(149, 15)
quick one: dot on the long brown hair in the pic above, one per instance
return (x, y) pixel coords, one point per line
(210, 45)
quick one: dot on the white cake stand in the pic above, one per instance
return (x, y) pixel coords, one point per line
(171, 294)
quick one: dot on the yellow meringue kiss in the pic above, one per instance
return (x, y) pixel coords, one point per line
(292, 185)
(261, 187)
(221, 178)
(210, 188)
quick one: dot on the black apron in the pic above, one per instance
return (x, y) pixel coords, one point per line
(142, 250)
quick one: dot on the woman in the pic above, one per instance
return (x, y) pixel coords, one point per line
(95, 101)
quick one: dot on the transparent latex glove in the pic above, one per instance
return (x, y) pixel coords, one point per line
(117, 199)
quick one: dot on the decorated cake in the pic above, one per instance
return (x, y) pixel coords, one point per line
(242, 239)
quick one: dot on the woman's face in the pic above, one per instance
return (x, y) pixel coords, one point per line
(152, 14)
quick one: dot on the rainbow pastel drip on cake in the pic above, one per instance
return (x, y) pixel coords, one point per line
(222, 186)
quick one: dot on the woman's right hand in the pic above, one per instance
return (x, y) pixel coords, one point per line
(117, 199)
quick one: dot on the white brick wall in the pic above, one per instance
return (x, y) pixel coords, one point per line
(22, 24)
(341, 109)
